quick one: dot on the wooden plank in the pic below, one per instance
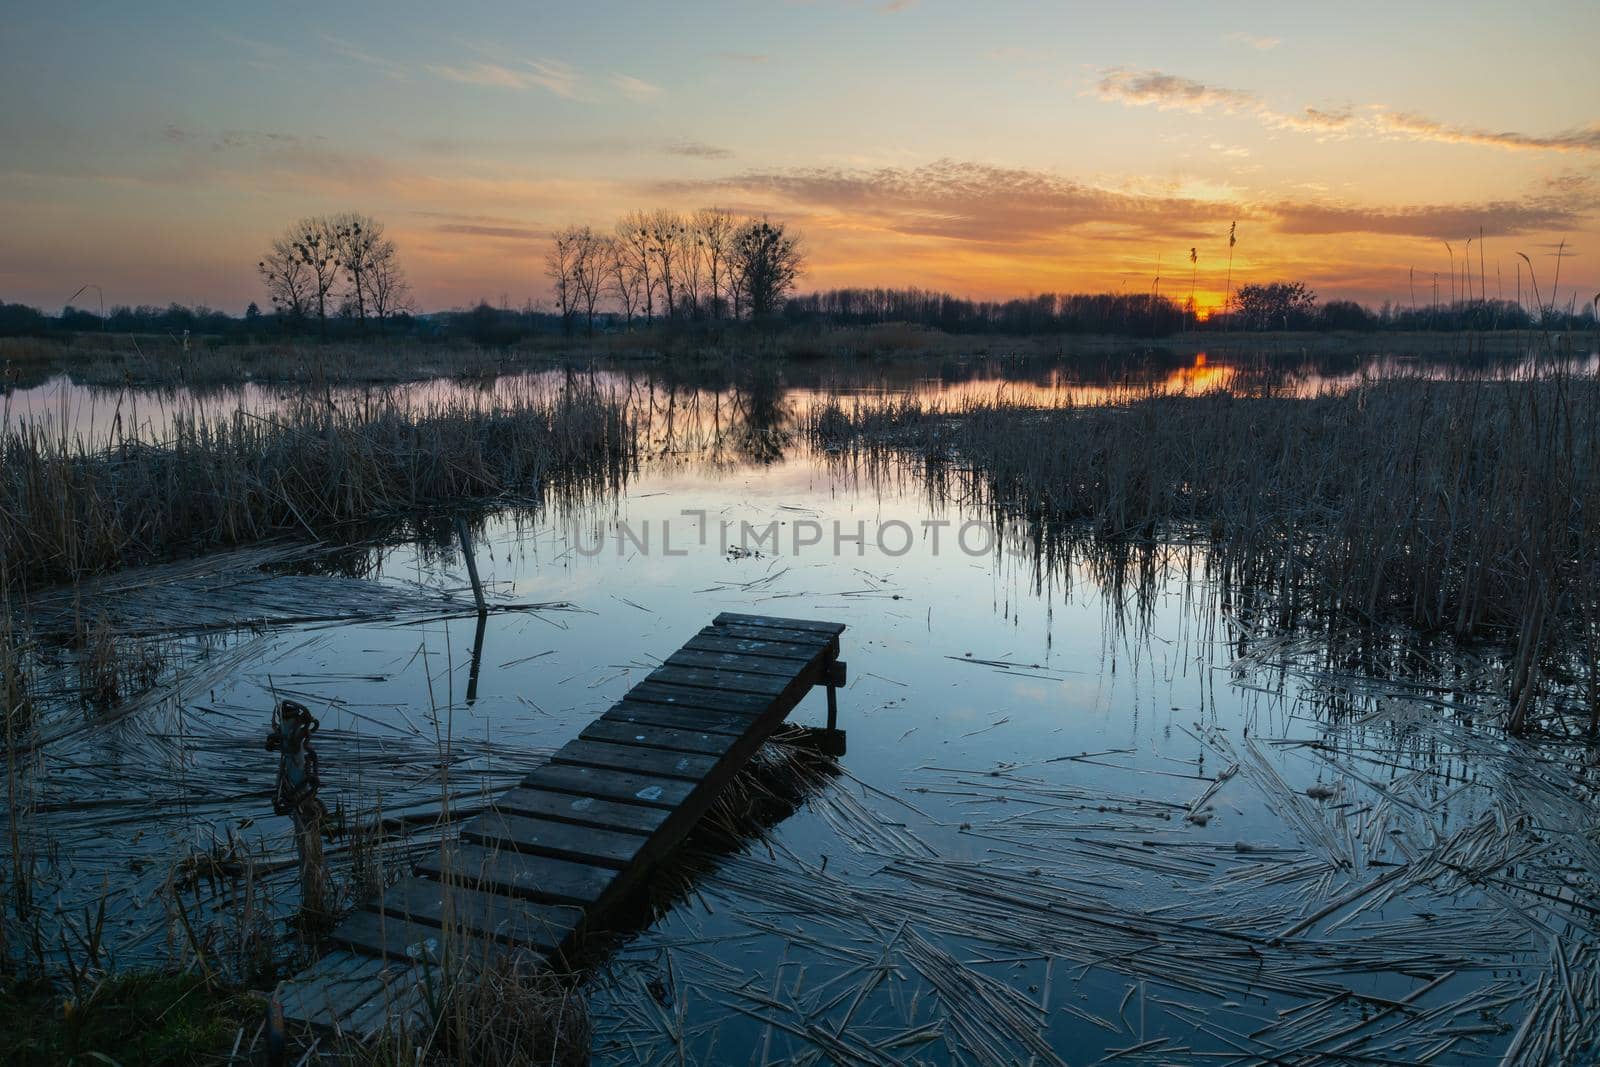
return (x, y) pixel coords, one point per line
(644, 789)
(673, 740)
(401, 1007)
(635, 758)
(515, 920)
(736, 661)
(769, 633)
(540, 877)
(721, 681)
(582, 810)
(391, 937)
(734, 618)
(546, 837)
(324, 993)
(717, 640)
(341, 982)
(679, 696)
(729, 724)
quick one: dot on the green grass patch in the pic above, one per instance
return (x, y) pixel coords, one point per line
(126, 1019)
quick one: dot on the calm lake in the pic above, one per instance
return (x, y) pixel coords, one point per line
(1088, 806)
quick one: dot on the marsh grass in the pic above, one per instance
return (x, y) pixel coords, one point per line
(68, 510)
(1465, 507)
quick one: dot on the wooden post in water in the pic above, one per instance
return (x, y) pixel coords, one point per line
(835, 678)
(296, 796)
(472, 564)
(477, 657)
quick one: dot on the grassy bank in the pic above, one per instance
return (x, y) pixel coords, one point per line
(1465, 507)
(67, 510)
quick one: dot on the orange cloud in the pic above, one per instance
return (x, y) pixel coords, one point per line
(1166, 92)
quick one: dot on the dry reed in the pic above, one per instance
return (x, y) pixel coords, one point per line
(68, 510)
(1466, 507)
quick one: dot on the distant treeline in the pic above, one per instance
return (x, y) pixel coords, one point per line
(1274, 306)
(1256, 307)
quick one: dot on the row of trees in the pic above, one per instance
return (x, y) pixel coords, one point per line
(340, 263)
(706, 265)
(1263, 306)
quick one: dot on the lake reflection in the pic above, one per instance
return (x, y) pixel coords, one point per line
(1087, 804)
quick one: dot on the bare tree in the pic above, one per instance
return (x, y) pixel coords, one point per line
(313, 239)
(589, 271)
(634, 235)
(288, 280)
(560, 266)
(768, 260)
(387, 288)
(734, 290)
(622, 276)
(666, 248)
(716, 228)
(691, 258)
(356, 241)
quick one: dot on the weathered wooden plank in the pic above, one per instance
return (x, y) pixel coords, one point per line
(324, 993)
(645, 789)
(401, 1007)
(540, 877)
(636, 759)
(721, 681)
(731, 724)
(736, 661)
(515, 920)
(734, 618)
(713, 639)
(391, 937)
(585, 811)
(674, 740)
(546, 837)
(680, 696)
(770, 633)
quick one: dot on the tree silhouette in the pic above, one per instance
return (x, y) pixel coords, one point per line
(768, 260)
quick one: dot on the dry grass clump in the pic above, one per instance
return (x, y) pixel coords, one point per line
(500, 1014)
(67, 510)
(1465, 506)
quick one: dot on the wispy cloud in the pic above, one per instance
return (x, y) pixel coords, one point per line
(511, 233)
(1017, 209)
(1507, 217)
(1418, 128)
(226, 139)
(1166, 92)
(697, 150)
(635, 88)
(958, 200)
(1260, 44)
(361, 55)
(546, 74)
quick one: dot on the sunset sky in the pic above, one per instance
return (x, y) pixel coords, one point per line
(990, 149)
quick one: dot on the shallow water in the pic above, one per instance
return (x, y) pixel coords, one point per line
(1072, 814)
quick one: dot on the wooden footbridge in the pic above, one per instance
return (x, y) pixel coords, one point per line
(558, 851)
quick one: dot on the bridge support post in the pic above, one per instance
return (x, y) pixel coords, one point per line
(835, 677)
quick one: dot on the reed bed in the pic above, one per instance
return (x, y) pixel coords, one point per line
(1465, 507)
(68, 510)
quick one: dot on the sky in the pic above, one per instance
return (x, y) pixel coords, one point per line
(991, 150)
